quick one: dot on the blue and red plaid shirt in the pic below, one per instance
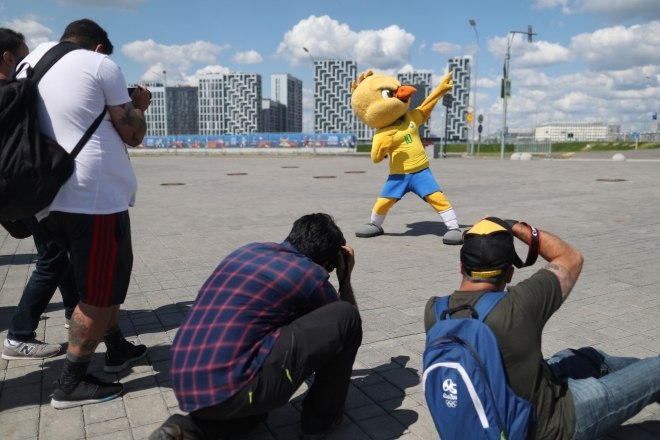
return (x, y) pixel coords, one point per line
(236, 319)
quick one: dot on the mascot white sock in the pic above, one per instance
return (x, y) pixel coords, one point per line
(377, 219)
(449, 218)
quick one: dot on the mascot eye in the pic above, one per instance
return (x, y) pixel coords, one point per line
(386, 93)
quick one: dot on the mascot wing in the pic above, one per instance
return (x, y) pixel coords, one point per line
(429, 103)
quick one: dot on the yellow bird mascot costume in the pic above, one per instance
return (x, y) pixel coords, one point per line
(382, 103)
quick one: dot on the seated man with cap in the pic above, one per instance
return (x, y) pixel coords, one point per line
(576, 394)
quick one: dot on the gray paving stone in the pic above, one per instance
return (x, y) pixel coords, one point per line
(180, 234)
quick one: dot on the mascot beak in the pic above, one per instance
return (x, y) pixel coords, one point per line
(404, 93)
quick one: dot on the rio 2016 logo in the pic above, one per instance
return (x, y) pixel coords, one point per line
(450, 394)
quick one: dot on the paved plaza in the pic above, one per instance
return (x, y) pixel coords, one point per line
(193, 210)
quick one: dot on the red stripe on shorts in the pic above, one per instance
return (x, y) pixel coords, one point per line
(102, 260)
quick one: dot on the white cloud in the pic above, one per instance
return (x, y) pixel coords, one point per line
(193, 80)
(214, 69)
(536, 54)
(623, 98)
(324, 37)
(388, 48)
(619, 47)
(445, 48)
(35, 33)
(248, 57)
(176, 59)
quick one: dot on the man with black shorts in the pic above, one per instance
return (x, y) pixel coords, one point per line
(89, 216)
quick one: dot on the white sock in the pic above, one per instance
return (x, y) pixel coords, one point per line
(449, 218)
(377, 219)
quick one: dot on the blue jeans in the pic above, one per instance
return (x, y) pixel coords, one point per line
(52, 269)
(603, 403)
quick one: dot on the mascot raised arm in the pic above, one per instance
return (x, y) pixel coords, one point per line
(383, 103)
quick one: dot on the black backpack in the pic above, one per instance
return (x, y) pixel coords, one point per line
(33, 166)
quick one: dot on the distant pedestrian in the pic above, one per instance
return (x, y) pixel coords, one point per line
(266, 320)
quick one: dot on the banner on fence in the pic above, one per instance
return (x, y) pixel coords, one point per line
(253, 140)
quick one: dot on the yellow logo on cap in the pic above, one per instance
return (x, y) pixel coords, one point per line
(485, 227)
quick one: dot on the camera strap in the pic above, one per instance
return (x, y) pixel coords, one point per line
(533, 250)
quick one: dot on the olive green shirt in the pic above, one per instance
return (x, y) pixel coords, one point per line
(517, 322)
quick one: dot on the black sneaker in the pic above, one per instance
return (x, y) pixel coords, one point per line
(177, 427)
(89, 390)
(317, 433)
(122, 357)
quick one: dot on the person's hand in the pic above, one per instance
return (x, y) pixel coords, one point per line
(345, 263)
(141, 98)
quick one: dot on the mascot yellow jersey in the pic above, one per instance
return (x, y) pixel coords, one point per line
(405, 148)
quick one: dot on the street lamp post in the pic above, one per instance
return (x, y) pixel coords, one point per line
(314, 115)
(506, 82)
(655, 111)
(167, 132)
(473, 23)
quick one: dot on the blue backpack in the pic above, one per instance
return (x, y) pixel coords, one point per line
(464, 380)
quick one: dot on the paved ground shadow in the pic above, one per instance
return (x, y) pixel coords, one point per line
(417, 229)
(16, 259)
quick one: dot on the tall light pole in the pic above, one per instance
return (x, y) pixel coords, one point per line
(314, 114)
(473, 23)
(506, 82)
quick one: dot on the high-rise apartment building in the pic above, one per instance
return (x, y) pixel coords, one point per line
(273, 116)
(229, 103)
(332, 96)
(156, 114)
(457, 115)
(182, 110)
(287, 90)
(423, 82)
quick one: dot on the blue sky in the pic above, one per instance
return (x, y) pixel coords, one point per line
(591, 60)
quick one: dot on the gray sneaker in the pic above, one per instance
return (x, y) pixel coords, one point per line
(369, 230)
(453, 237)
(32, 349)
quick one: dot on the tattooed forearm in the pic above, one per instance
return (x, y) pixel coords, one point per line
(132, 119)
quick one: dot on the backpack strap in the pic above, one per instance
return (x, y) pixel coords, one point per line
(88, 134)
(50, 58)
(480, 311)
(440, 306)
(47, 61)
(487, 303)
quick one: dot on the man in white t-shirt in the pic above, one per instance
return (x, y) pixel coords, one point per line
(89, 216)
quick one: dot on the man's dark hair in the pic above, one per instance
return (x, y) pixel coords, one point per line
(318, 237)
(87, 34)
(10, 40)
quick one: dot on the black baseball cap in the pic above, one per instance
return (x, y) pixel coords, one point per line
(488, 249)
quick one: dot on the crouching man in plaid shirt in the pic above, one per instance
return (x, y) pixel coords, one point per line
(265, 320)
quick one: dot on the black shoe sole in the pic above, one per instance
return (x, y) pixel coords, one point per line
(64, 404)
